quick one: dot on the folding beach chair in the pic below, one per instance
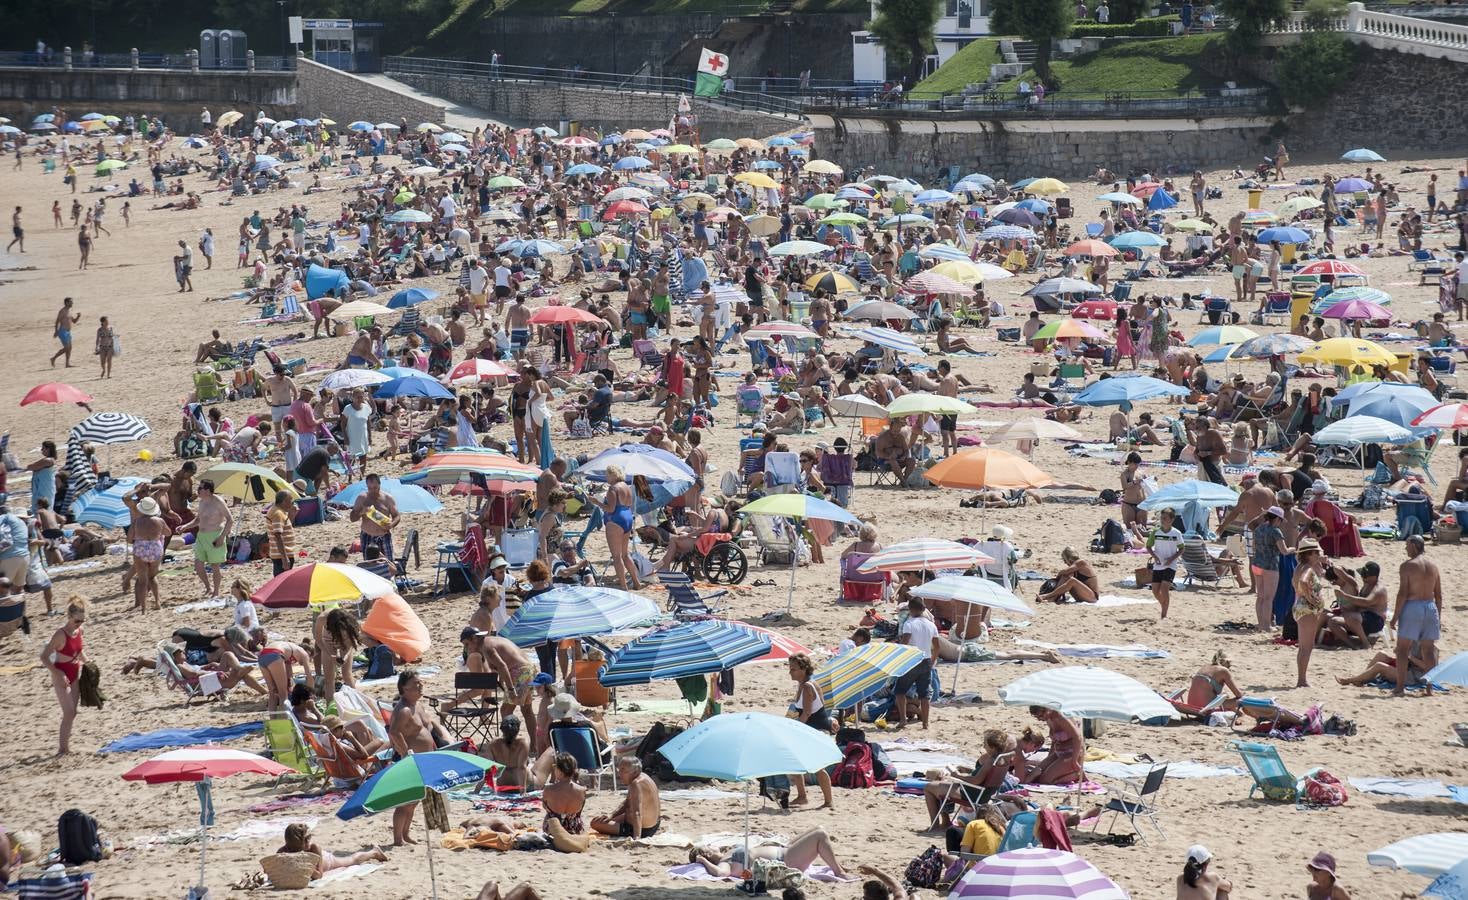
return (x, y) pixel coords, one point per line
(750, 401)
(61, 887)
(205, 686)
(684, 600)
(1198, 565)
(777, 539)
(352, 703)
(1271, 777)
(1137, 799)
(335, 762)
(1020, 833)
(207, 387)
(474, 718)
(1197, 700)
(582, 743)
(861, 587)
(287, 747)
(782, 472)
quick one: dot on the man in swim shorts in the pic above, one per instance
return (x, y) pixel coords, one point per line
(212, 526)
(1418, 616)
(517, 322)
(516, 670)
(281, 392)
(65, 318)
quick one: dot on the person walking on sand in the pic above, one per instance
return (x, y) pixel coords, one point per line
(184, 265)
(920, 633)
(65, 318)
(1418, 616)
(63, 656)
(206, 247)
(105, 347)
(84, 247)
(16, 229)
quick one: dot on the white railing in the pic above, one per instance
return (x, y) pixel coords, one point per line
(1391, 32)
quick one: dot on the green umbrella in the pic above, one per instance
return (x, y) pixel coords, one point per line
(935, 404)
(844, 218)
(501, 182)
(796, 506)
(824, 201)
(107, 165)
(403, 197)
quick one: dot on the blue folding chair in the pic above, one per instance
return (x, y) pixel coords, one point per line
(683, 600)
(64, 887)
(582, 743)
(1271, 777)
(1020, 832)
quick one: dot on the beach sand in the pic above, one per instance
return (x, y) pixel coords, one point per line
(1261, 846)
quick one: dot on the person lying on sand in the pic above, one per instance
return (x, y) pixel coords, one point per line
(799, 854)
(298, 840)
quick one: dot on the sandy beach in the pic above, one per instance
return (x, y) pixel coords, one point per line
(1260, 845)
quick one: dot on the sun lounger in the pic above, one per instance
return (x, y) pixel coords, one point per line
(1194, 701)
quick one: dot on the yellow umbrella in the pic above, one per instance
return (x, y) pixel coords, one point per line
(250, 483)
(969, 272)
(1296, 205)
(1192, 225)
(762, 226)
(678, 148)
(1348, 352)
(229, 118)
(359, 308)
(756, 179)
(823, 167)
(1047, 186)
(750, 144)
(987, 467)
(690, 201)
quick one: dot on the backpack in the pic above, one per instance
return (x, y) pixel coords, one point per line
(78, 840)
(882, 766)
(925, 870)
(1111, 537)
(855, 770)
(380, 663)
(1108, 497)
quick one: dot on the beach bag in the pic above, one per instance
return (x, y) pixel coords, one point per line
(855, 769)
(1112, 537)
(380, 663)
(77, 837)
(925, 870)
(290, 871)
(882, 766)
(1324, 789)
(775, 875)
(1108, 497)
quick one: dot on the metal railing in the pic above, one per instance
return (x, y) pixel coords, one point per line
(1056, 105)
(785, 104)
(58, 59)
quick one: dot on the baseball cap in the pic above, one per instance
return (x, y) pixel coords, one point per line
(1199, 854)
(1277, 512)
(471, 632)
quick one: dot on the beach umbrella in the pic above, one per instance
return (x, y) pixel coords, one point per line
(55, 392)
(1196, 225)
(565, 315)
(1423, 854)
(321, 584)
(1255, 218)
(9, 129)
(1088, 692)
(105, 507)
(857, 406)
(504, 183)
(413, 387)
(1070, 328)
(781, 647)
(1223, 353)
(1452, 671)
(1020, 218)
(1160, 200)
(1271, 345)
(1203, 493)
(681, 650)
(109, 165)
(889, 339)
(585, 169)
(822, 167)
(628, 208)
(942, 251)
(387, 126)
(762, 226)
(1447, 415)
(1146, 189)
(200, 765)
(1137, 240)
(969, 271)
(409, 780)
(798, 248)
(767, 165)
(264, 161)
(1035, 429)
(360, 126)
(1296, 205)
(1451, 885)
(1046, 186)
(1347, 352)
(880, 311)
(1362, 155)
(924, 555)
(721, 144)
(346, 379)
(653, 463)
(1353, 186)
(1126, 389)
(931, 282)
(844, 219)
(243, 481)
(1054, 286)
(933, 197)
(1120, 198)
(1331, 267)
(410, 498)
(1096, 309)
(777, 328)
(1284, 234)
(479, 371)
(1363, 430)
(428, 126)
(576, 141)
(856, 675)
(797, 506)
(1399, 404)
(410, 297)
(193, 143)
(978, 178)
(987, 467)
(111, 428)
(449, 466)
(747, 746)
(920, 402)
(831, 283)
(650, 180)
(631, 163)
(905, 219)
(847, 194)
(574, 611)
(408, 217)
(1355, 292)
(1221, 334)
(627, 193)
(1363, 310)
(1090, 247)
(1033, 873)
(423, 170)
(1006, 233)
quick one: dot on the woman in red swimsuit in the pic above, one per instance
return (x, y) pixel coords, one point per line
(63, 656)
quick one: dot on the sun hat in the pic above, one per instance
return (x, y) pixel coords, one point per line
(148, 506)
(564, 706)
(1276, 511)
(1307, 546)
(1324, 862)
(1199, 854)
(497, 562)
(1318, 486)
(1001, 532)
(471, 632)
(332, 723)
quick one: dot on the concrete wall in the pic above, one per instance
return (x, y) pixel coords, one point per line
(1070, 148)
(324, 91)
(605, 110)
(176, 96)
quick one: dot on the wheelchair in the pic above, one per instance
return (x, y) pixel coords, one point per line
(725, 563)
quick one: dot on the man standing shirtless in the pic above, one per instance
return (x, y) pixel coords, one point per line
(65, 318)
(281, 391)
(411, 730)
(212, 528)
(1418, 616)
(516, 670)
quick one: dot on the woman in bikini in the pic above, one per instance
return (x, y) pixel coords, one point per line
(618, 507)
(1131, 492)
(298, 840)
(991, 772)
(1217, 677)
(1313, 596)
(277, 659)
(1062, 765)
(63, 656)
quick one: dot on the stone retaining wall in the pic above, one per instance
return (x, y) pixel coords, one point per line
(344, 97)
(175, 96)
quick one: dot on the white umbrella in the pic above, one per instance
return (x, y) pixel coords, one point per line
(971, 591)
(1450, 671)
(889, 339)
(1363, 430)
(1035, 429)
(1423, 854)
(1088, 692)
(346, 379)
(857, 406)
(360, 308)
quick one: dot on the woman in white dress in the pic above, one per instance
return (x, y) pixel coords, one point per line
(355, 421)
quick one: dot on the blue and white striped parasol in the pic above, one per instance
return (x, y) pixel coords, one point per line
(573, 611)
(891, 340)
(687, 648)
(105, 507)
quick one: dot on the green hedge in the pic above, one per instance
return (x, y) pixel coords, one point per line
(1158, 26)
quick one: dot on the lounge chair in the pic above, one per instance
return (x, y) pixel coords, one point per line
(1137, 799)
(352, 702)
(1020, 833)
(782, 472)
(287, 747)
(335, 761)
(778, 539)
(206, 686)
(1198, 700)
(684, 600)
(1198, 565)
(1271, 777)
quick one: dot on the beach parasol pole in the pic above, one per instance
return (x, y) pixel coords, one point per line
(206, 803)
(748, 863)
(428, 845)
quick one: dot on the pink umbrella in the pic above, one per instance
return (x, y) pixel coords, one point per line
(935, 283)
(1358, 309)
(55, 392)
(777, 329)
(1448, 415)
(1146, 189)
(1329, 267)
(560, 315)
(1036, 872)
(781, 647)
(479, 370)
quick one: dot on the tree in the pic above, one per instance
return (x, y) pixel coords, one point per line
(905, 29)
(1040, 21)
(1124, 11)
(1310, 71)
(1250, 19)
(1321, 15)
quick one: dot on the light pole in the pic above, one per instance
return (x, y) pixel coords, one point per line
(285, 35)
(613, 17)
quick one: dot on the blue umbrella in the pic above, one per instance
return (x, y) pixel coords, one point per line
(1161, 200)
(1272, 345)
(1034, 205)
(361, 126)
(585, 169)
(45, 117)
(265, 161)
(410, 297)
(9, 129)
(1398, 406)
(1362, 155)
(573, 611)
(653, 463)
(1352, 391)
(410, 498)
(321, 281)
(92, 117)
(1127, 389)
(1191, 500)
(1353, 186)
(404, 372)
(687, 648)
(1024, 183)
(408, 216)
(767, 164)
(978, 178)
(611, 139)
(780, 141)
(1222, 354)
(1137, 240)
(537, 247)
(1284, 234)
(631, 162)
(932, 196)
(942, 251)
(105, 507)
(413, 387)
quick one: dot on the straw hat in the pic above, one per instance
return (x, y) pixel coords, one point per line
(564, 706)
(148, 506)
(332, 723)
(1307, 546)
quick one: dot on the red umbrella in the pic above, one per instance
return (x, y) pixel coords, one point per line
(203, 761)
(1146, 189)
(1095, 309)
(781, 647)
(1329, 267)
(625, 208)
(55, 392)
(480, 370)
(492, 486)
(562, 315)
(1090, 247)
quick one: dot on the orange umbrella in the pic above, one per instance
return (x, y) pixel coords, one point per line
(1090, 248)
(987, 467)
(560, 315)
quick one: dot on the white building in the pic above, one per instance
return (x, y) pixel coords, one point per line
(962, 22)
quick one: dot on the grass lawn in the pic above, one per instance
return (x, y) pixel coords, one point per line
(1162, 66)
(968, 66)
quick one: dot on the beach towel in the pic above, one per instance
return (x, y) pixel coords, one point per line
(1185, 769)
(423, 672)
(291, 801)
(696, 872)
(345, 873)
(1084, 787)
(1397, 787)
(1100, 651)
(1122, 600)
(181, 737)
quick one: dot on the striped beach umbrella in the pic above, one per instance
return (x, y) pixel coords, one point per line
(458, 463)
(111, 428)
(320, 584)
(346, 379)
(1363, 429)
(1006, 233)
(943, 251)
(1423, 854)
(889, 339)
(80, 477)
(923, 555)
(687, 648)
(573, 611)
(777, 328)
(1088, 692)
(1222, 334)
(931, 282)
(105, 507)
(1033, 873)
(1271, 345)
(855, 675)
(974, 592)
